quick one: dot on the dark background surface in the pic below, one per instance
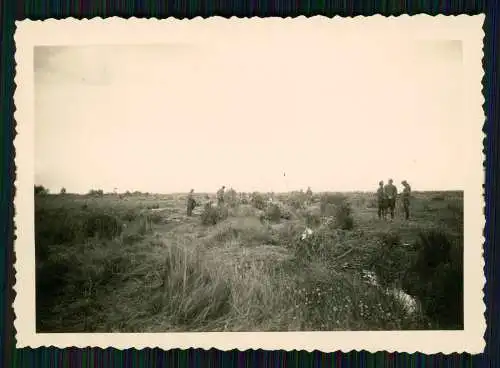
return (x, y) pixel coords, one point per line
(12, 10)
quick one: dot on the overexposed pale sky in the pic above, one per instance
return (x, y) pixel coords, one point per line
(256, 114)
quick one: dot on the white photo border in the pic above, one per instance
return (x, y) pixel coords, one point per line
(136, 31)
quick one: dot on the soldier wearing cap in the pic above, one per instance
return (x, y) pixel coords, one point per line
(391, 193)
(191, 203)
(220, 196)
(406, 198)
(381, 200)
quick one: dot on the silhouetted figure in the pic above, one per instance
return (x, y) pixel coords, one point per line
(406, 198)
(191, 203)
(391, 193)
(381, 201)
(220, 196)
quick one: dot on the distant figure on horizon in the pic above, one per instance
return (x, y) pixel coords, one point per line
(406, 198)
(191, 203)
(220, 196)
(381, 201)
(391, 193)
(309, 195)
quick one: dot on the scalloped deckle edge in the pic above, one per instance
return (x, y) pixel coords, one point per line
(135, 31)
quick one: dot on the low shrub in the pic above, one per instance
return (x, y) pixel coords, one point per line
(273, 213)
(231, 198)
(212, 215)
(259, 201)
(343, 216)
(312, 220)
(329, 202)
(389, 261)
(297, 200)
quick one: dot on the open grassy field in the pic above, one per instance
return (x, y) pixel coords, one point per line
(139, 264)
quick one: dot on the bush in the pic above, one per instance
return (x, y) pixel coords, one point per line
(321, 244)
(312, 220)
(331, 300)
(258, 201)
(390, 260)
(343, 217)
(273, 213)
(329, 202)
(41, 190)
(213, 215)
(231, 198)
(297, 200)
(96, 193)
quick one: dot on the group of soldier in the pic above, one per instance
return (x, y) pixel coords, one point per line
(387, 195)
(191, 202)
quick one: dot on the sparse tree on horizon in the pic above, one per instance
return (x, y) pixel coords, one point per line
(41, 190)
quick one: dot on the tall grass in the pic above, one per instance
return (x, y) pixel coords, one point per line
(121, 268)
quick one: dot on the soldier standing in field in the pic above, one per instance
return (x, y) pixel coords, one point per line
(391, 193)
(220, 196)
(309, 195)
(191, 203)
(406, 198)
(381, 200)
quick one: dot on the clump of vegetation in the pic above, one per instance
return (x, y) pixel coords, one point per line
(231, 198)
(312, 220)
(331, 300)
(329, 202)
(389, 260)
(96, 193)
(212, 215)
(343, 216)
(129, 215)
(190, 294)
(145, 225)
(273, 213)
(321, 244)
(63, 191)
(297, 200)
(41, 190)
(102, 225)
(259, 201)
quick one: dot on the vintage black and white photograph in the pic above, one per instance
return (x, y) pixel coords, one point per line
(253, 182)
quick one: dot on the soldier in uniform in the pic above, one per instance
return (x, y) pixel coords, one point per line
(381, 200)
(191, 203)
(406, 198)
(391, 193)
(309, 196)
(220, 196)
